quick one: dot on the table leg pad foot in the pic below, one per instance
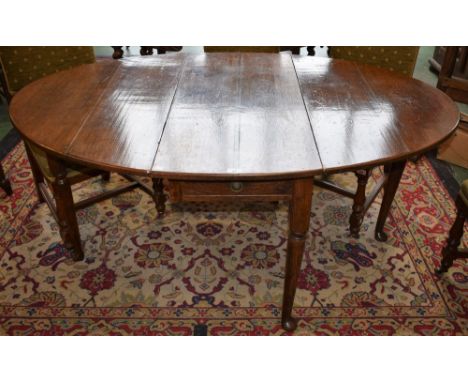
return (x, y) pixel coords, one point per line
(289, 324)
(355, 235)
(77, 255)
(444, 267)
(6, 187)
(381, 236)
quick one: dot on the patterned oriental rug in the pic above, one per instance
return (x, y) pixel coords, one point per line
(223, 265)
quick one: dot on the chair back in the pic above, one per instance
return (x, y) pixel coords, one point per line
(248, 49)
(399, 59)
(21, 65)
(454, 67)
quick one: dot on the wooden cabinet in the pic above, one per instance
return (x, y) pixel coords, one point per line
(451, 62)
(461, 67)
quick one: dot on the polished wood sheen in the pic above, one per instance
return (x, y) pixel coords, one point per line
(235, 126)
(129, 115)
(362, 115)
(250, 120)
(235, 114)
(61, 103)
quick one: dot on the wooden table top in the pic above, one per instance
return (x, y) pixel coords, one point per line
(232, 115)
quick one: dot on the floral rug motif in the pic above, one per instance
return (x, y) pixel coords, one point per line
(223, 265)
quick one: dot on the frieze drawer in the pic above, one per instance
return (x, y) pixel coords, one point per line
(247, 190)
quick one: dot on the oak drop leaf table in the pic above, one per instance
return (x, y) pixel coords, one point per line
(237, 126)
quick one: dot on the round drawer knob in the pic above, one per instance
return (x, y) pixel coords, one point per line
(236, 186)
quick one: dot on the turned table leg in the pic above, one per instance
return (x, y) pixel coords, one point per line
(299, 218)
(146, 51)
(394, 173)
(450, 251)
(4, 182)
(65, 208)
(105, 176)
(311, 50)
(118, 52)
(36, 172)
(357, 216)
(158, 196)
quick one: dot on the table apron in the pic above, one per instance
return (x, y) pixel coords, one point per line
(270, 190)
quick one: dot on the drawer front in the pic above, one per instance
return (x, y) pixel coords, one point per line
(249, 190)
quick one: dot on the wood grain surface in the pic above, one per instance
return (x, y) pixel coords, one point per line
(233, 126)
(362, 115)
(250, 120)
(232, 115)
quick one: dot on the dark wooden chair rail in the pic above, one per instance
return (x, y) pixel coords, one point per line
(146, 50)
(451, 251)
(453, 73)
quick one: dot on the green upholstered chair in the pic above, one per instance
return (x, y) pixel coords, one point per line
(19, 67)
(398, 59)
(23, 64)
(248, 49)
